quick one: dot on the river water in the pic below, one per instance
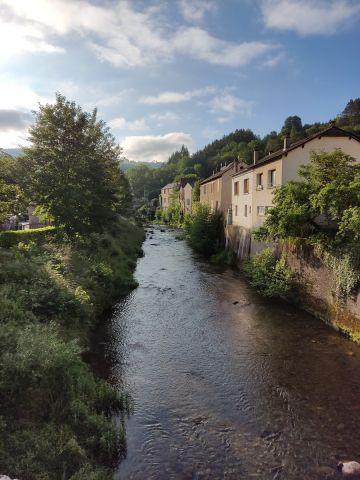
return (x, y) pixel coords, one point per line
(225, 384)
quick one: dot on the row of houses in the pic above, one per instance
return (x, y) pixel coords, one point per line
(244, 193)
(183, 190)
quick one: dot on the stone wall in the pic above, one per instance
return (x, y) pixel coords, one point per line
(238, 240)
(316, 283)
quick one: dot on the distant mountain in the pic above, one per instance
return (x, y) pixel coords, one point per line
(127, 164)
(14, 152)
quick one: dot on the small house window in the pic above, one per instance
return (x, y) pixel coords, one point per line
(259, 181)
(246, 185)
(204, 188)
(271, 178)
(188, 201)
(236, 188)
(261, 211)
(236, 210)
(245, 210)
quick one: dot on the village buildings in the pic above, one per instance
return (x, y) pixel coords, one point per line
(253, 187)
(215, 191)
(181, 190)
(167, 194)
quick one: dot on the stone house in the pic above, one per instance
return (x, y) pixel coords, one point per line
(215, 191)
(167, 193)
(185, 195)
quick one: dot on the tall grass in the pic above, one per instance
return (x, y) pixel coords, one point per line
(56, 418)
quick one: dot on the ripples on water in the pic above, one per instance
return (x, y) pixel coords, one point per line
(253, 390)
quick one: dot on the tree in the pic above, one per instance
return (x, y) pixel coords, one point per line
(351, 113)
(73, 167)
(11, 194)
(325, 204)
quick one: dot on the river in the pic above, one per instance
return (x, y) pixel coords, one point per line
(225, 384)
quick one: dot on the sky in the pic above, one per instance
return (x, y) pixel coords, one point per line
(163, 73)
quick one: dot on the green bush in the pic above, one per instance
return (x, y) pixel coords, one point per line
(204, 230)
(55, 416)
(12, 237)
(269, 275)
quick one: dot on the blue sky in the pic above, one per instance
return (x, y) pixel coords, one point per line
(166, 73)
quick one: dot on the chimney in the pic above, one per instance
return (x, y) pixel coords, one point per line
(287, 142)
(256, 155)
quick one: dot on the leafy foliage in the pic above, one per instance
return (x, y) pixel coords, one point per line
(324, 205)
(204, 230)
(12, 199)
(54, 413)
(72, 168)
(269, 275)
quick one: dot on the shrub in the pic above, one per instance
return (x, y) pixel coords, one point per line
(269, 275)
(204, 230)
(12, 237)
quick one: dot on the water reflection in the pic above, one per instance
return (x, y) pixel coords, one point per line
(227, 385)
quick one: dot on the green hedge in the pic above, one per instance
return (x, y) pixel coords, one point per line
(13, 237)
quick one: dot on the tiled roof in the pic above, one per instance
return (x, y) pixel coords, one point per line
(172, 185)
(331, 131)
(218, 174)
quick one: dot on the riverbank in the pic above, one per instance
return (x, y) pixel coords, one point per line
(56, 417)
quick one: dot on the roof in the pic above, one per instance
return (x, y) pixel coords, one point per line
(184, 181)
(171, 185)
(218, 174)
(331, 131)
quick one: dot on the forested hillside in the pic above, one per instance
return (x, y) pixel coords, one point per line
(146, 181)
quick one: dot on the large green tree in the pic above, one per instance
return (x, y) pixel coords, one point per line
(72, 167)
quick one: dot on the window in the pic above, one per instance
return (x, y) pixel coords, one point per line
(236, 210)
(236, 188)
(246, 185)
(271, 178)
(259, 181)
(218, 184)
(245, 210)
(261, 211)
(204, 188)
(211, 187)
(216, 206)
(188, 201)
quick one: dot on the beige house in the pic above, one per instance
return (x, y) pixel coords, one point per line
(167, 194)
(215, 190)
(186, 194)
(252, 189)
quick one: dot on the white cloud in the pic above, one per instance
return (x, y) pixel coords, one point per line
(309, 17)
(176, 97)
(154, 147)
(273, 61)
(195, 10)
(199, 44)
(165, 117)
(117, 33)
(16, 96)
(120, 123)
(231, 104)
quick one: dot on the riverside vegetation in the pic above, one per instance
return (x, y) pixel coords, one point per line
(56, 417)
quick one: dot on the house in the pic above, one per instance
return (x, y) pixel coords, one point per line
(167, 194)
(186, 194)
(253, 187)
(215, 191)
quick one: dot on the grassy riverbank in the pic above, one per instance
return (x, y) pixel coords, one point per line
(56, 418)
